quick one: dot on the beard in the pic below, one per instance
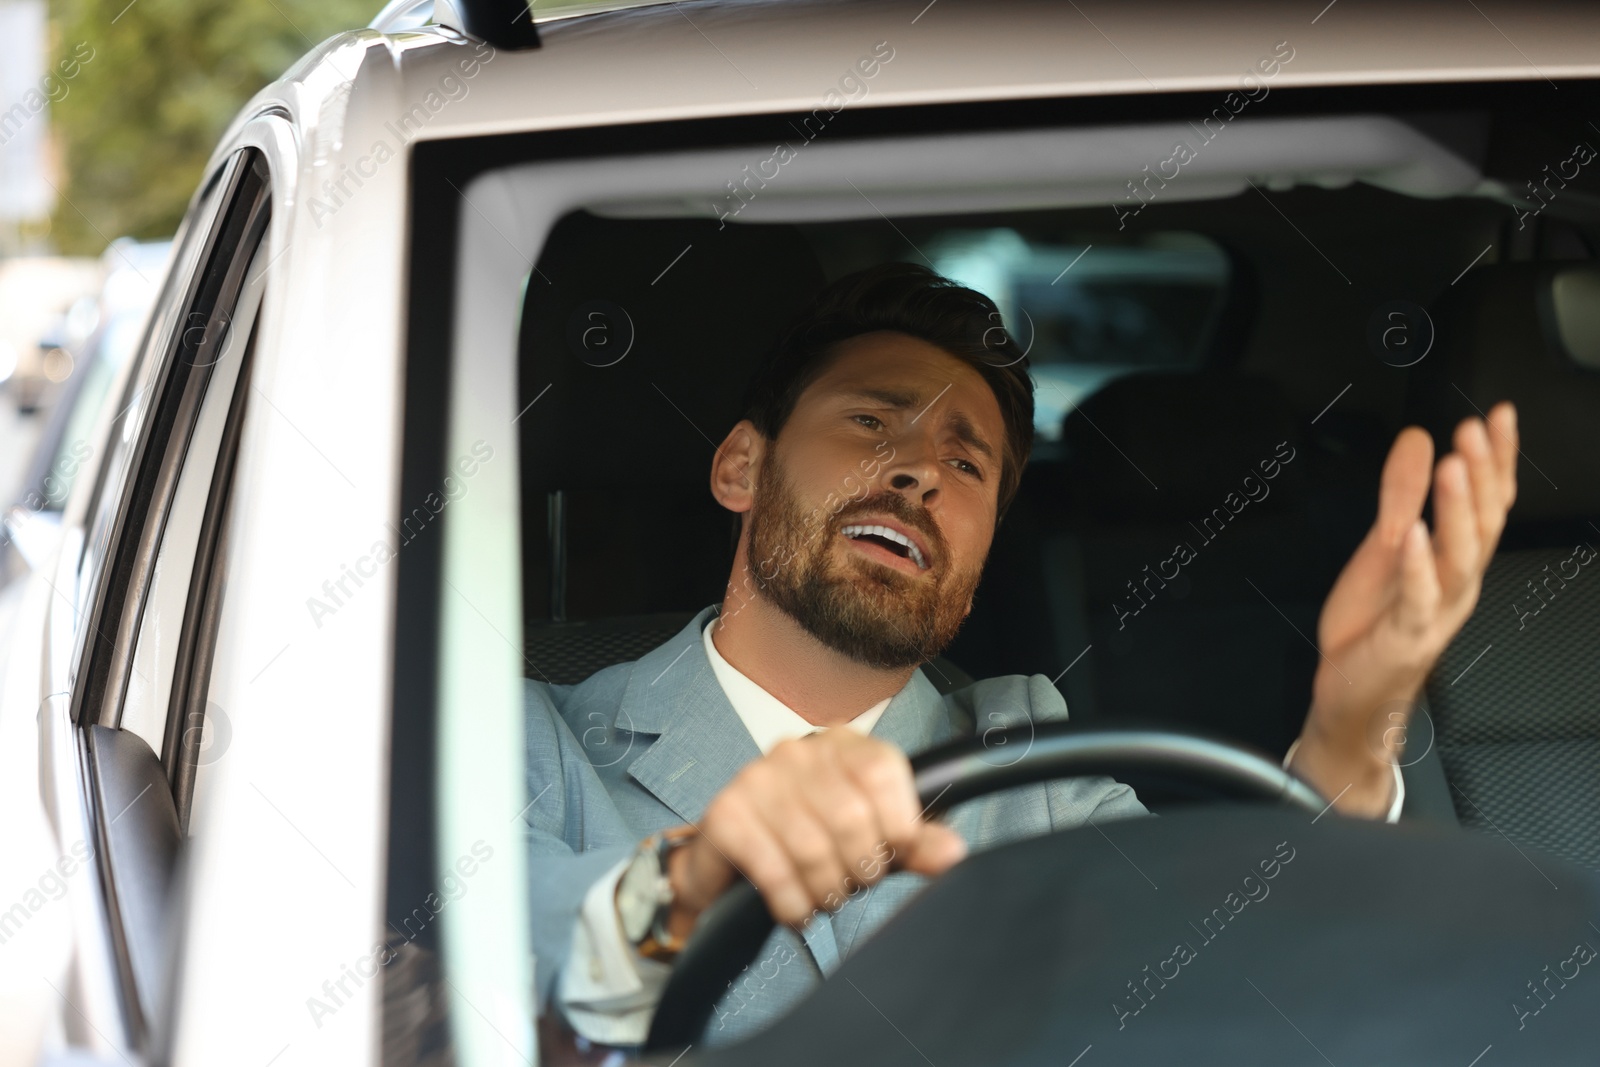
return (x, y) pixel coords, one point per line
(860, 607)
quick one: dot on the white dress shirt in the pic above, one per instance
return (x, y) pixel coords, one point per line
(607, 990)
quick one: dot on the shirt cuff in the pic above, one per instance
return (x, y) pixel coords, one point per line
(1399, 795)
(1393, 815)
(607, 990)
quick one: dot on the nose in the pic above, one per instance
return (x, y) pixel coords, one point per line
(914, 473)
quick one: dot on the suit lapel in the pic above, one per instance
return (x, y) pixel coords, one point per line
(701, 742)
(916, 718)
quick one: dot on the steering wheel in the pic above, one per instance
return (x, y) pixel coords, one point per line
(731, 932)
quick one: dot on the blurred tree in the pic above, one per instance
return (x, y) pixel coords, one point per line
(142, 116)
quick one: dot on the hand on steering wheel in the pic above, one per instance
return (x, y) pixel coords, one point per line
(732, 930)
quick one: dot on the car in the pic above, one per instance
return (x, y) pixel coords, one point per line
(115, 324)
(425, 412)
(38, 298)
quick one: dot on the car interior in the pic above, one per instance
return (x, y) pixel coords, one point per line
(1175, 355)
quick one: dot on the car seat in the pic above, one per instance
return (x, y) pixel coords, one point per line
(1514, 704)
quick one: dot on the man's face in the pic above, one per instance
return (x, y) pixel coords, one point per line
(897, 434)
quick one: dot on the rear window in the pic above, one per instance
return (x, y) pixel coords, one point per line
(1091, 311)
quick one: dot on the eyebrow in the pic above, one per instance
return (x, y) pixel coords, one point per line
(906, 400)
(967, 435)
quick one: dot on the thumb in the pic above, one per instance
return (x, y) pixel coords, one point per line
(935, 849)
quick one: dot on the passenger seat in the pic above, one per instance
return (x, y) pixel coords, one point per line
(1086, 561)
(1515, 701)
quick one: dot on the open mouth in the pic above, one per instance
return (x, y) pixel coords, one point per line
(890, 541)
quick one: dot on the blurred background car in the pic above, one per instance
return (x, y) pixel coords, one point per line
(36, 296)
(71, 375)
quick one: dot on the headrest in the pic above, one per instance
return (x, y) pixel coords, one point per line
(1528, 333)
(1575, 312)
(644, 332)
(1171, 445)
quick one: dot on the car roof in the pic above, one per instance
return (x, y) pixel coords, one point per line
(738, 57)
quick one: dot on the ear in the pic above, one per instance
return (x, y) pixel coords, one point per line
(736, 467)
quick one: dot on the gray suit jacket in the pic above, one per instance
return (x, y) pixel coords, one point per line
(645, 745)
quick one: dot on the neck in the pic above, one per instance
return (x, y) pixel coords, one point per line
(823, 686)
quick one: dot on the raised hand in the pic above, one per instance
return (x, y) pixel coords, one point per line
(1400, 600)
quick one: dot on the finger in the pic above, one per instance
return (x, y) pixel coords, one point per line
(1505, 439)
(883, 774)
(924, 847)
(1457, 547)
(1404, 485)
(1418, 599)
(1488, 489)
(935, 850)
(745, 840)
(806, 841)
(847, 813)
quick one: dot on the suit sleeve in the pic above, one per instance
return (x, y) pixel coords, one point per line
(576, 836)
(1075, 801)
(1001, 711)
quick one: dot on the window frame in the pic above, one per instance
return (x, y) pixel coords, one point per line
(197, 640)
(133, 496)
(132, 510)
(102, 490)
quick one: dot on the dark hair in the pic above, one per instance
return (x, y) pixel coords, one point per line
(913, 300)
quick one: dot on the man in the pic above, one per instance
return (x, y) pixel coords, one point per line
(882, 442)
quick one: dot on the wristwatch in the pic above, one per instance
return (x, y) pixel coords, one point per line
(644, 895)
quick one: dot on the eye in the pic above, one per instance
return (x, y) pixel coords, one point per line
(968, 468)
(864, 420)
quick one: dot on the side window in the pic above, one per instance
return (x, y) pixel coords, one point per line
(1151, 303)
(114, 438)
(113, 345)
(151, 682)
(158, 525)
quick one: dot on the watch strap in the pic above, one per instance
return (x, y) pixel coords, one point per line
(659, 943)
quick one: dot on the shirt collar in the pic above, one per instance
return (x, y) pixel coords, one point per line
(769, 719)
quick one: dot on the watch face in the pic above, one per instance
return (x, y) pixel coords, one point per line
(636, 903)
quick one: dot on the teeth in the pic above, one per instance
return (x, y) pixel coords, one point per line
(892, 535)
